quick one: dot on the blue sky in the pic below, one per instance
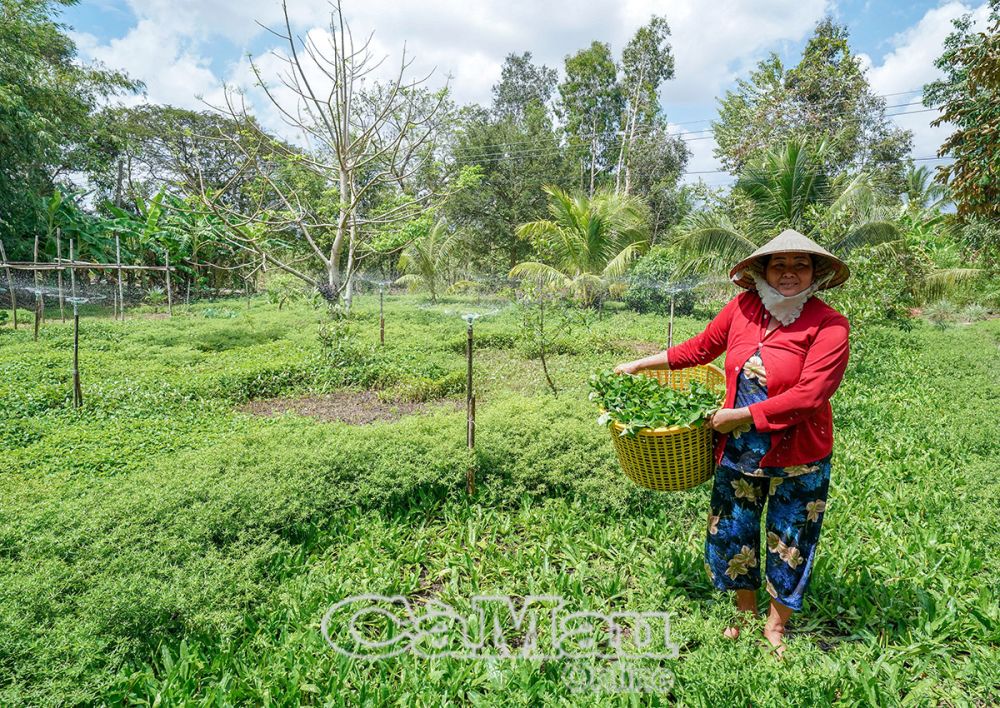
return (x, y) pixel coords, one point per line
(186, 49)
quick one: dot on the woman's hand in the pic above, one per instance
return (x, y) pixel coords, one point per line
(629, 367)
(726, 420)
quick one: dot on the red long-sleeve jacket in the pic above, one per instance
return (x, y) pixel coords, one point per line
(805, 363)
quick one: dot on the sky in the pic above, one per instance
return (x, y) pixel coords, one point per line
(186, 50)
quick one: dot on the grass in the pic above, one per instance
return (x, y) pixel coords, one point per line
(158, 546)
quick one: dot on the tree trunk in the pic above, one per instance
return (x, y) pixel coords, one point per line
(10, 285)
(593, 162)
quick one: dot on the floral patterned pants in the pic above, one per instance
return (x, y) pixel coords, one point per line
(795, 507)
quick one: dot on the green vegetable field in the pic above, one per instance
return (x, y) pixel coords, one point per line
(167, 544)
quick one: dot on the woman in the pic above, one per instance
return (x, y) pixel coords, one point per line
(786, 353)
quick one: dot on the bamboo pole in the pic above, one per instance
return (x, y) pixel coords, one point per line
(38, 292)
(59, 279)
(86, 265)
(77, 390)
(10, 284)
(121, 288)
(670, 326)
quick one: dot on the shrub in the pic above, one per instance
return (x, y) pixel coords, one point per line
(284, 287)
(650, 282)
(941, 313)
(880, 289)
(156, 296)
(425, 388)
(974, 312)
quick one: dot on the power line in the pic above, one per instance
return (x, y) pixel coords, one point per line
(706, 120)
(541, 151)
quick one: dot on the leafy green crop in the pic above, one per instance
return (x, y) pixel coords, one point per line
(642, 402)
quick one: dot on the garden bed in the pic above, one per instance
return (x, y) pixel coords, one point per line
(352, 407)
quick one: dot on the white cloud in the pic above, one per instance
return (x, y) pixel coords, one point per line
(910, 65)
(713, 43)
(471, 39)
(173, 71)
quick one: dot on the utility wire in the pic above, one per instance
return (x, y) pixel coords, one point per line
(540, 151)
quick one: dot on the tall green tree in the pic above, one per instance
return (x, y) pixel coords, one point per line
(137, 150)
(825, 97)
(592, 106)
(969, 95)
(792, 188)
(647, 61)
(47, 100)
(522, 85)
(515, 149)
(656, 162)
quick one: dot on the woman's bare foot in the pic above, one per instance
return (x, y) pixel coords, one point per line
(774, 628)
(775, 635)
(746, 601)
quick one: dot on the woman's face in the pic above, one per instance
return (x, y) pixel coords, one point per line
(789, 273)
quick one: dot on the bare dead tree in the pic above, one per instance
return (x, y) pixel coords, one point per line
(365, 139)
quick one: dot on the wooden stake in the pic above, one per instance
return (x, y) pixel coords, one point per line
(170, 298)
(10, 285)
(38, 293)
(59, 281)
(470, 420)
(77, 390)
(670, 326)
(381, 318)
(72, 273)
(121, 288)
(470, 473)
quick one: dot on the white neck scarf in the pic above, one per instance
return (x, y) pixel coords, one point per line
(785, 309)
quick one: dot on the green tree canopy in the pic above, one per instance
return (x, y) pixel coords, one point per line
(515, 149)
(592, 105)
(825, 97)
(47, 99)
(969, 95)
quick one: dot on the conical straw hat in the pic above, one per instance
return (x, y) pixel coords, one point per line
(829, 268)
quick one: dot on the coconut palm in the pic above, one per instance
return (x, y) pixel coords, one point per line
(922, 192)
(590, 241)
(425, 259)
(788, 188)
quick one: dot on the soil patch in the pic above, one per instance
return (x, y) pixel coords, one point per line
(353, 407)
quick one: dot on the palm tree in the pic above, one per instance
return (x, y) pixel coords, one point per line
(788, 188)
(590, 241)
(425, 259)
(922, 192)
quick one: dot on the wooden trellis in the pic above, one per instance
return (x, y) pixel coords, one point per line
(62, 264)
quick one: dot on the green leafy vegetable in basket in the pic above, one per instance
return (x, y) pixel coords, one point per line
(642, 402)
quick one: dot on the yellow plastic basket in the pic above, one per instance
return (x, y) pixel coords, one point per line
(674, 458)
